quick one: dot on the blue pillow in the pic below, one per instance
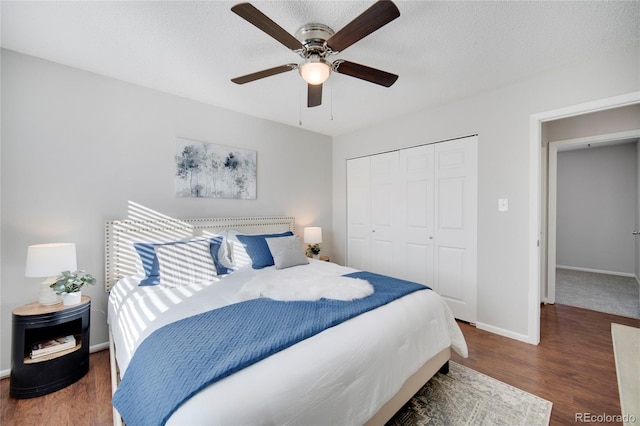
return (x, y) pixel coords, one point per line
(151, 266)
(214, 247)
(150, 263)
(258, 250)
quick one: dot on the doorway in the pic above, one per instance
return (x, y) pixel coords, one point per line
(551, 196)
(592, 218)
(538, 235)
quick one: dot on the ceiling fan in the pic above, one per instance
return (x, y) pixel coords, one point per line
(316, 42)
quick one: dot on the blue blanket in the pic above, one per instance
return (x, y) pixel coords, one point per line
(179, 359)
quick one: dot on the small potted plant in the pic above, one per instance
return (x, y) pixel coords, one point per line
(69, 284)
(313, 250)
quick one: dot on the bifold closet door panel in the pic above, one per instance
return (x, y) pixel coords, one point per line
(415, 230)
(456, 225)
(386, 212)
(359, 213)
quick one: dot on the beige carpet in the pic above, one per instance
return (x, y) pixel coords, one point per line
(466, 397)
(611, 294)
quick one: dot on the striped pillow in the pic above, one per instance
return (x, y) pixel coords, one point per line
(185, 264)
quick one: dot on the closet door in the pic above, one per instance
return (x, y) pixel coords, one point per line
(373, 212)
(359, 213)
(412, 214)
(416, 177)
(386, 210)
(455, 226)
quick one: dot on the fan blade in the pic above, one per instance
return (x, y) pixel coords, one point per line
(264, 73)
(314, 95)
(380, 14)
(364, 72)
(263, 22)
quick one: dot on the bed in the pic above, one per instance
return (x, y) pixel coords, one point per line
(360, 369)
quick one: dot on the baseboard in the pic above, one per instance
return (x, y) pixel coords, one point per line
(506, 333)
(99, 347)
(95, 348)
(597, 271)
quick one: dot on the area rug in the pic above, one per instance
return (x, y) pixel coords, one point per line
(466, 397)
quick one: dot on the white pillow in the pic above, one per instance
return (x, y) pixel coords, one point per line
(235, 255)
(185, 264)
(286, 251)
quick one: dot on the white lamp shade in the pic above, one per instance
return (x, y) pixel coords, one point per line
(47, 260)
(313, 235)
(315, 70)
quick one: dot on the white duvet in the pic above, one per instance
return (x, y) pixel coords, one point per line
(342, 375)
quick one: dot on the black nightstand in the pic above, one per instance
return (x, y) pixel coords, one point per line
(35, 323)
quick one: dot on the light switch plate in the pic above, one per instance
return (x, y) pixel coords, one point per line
(503, 205)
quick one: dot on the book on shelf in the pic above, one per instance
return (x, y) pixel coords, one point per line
(52, 346)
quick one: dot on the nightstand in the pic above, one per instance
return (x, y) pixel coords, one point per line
(35, 323)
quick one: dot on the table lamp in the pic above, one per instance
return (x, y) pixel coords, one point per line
(50, 260)
(313, 237)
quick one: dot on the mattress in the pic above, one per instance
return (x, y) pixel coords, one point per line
(343, 375)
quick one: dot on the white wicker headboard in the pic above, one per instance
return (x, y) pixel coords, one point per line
(121, 258)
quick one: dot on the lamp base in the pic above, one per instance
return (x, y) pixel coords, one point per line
(47, 296)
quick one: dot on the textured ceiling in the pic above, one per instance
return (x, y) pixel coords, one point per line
(440, 50)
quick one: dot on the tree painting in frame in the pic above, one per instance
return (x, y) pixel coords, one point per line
(206, 170)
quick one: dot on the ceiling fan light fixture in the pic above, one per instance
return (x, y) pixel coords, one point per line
(315, 70)
(315, 42)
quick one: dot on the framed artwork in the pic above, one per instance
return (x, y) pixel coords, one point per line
(206, 170)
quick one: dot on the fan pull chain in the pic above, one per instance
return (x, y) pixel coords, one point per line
(299, 106)
(331, 102)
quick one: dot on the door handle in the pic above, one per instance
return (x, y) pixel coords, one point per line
(636, 232)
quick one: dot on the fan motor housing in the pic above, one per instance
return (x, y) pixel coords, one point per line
(313, 37)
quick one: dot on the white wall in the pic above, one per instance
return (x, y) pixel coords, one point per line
(612, 120)
(501, 118)
(596, 208)
(77, 148)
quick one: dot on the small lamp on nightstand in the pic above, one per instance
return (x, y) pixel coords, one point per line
(313, 237)
(50, 260)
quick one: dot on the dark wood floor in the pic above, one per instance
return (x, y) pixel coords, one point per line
(86, 402)
(573, 367)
